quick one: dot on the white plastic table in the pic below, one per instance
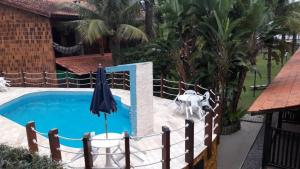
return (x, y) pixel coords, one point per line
(185, 97)
(107, 143)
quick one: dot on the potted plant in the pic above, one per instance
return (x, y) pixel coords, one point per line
(231, 121)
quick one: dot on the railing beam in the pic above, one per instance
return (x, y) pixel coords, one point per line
(91, 79)
(218, 120)
(87, 149)
(127, 151)
(208, 131)
(44, 78)
(166, 148)
(23, 78)
(31, 136)
(124, 81)
(112, 80)
(189, 143)
(54, 145)
(161, 86)
(67, 79)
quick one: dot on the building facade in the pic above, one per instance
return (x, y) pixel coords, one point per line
(25, 41)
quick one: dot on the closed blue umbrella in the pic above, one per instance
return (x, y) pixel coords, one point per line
(103, 100)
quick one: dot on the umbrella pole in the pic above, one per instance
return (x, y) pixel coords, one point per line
(106, 125)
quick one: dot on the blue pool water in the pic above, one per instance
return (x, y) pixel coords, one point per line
(66, 111)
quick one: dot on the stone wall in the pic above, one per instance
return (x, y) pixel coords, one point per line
(25, 41)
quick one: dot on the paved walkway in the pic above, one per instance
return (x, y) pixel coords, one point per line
(253, 160)
(234, 148)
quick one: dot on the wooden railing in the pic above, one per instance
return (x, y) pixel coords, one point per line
(285, 149)
(211, 125)
(162, 87)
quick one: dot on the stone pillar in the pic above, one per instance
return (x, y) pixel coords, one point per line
(144, 98)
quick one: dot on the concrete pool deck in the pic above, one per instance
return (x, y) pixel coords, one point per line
(14, 134)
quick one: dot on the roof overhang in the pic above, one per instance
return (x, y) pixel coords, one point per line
(46, 8)
(85, 64)
(284, 91)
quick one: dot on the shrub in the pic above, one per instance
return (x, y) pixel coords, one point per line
(19, 158)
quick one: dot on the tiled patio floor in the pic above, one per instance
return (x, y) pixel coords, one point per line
(13, 134)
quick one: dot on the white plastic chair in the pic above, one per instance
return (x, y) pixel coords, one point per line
(4, 84)
(190, 101)
(194, 105)
(205, 101)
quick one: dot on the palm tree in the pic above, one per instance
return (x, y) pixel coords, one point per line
(149, 17)
(115, 19)
(230, 30)
(286, 19)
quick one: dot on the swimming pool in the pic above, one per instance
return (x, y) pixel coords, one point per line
(66, 111)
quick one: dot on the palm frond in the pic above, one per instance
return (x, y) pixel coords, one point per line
(131, 13)
(129, 32)
(92, 29)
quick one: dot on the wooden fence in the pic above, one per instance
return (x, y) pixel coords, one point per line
(211, 127)
(161, 87)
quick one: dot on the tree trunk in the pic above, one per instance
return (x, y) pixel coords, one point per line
(269, 65)
(149, 18)
(294, 43)
(282, 53)
(101, 46)
(114, 45)
(239, 89)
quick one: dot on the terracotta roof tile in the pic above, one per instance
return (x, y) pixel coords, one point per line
(86, 63)
(47, 8)
(283, 92)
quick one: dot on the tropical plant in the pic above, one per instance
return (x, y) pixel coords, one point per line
(115, 19)
(161, 52)
(285, 17)
(18, 158)
(177, 26)
(149, 18)
(230, 31)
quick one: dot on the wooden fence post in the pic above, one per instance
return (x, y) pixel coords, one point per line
(189, 144)
(44, 78)
(212, 97)
(166, 148)
(67, 79)
(87, 149)
(197, 88)
(54, 145)
(127, 151)
(161, 86)
(218, 119)
(208, 131)
(31, 136)
(112, 80)
(23, 78)
(91, 79)
(124, 82)
(180, 86)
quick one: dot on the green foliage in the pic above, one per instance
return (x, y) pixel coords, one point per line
(160, 52)
(234, 116)
(116, 19)
(18, 158)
